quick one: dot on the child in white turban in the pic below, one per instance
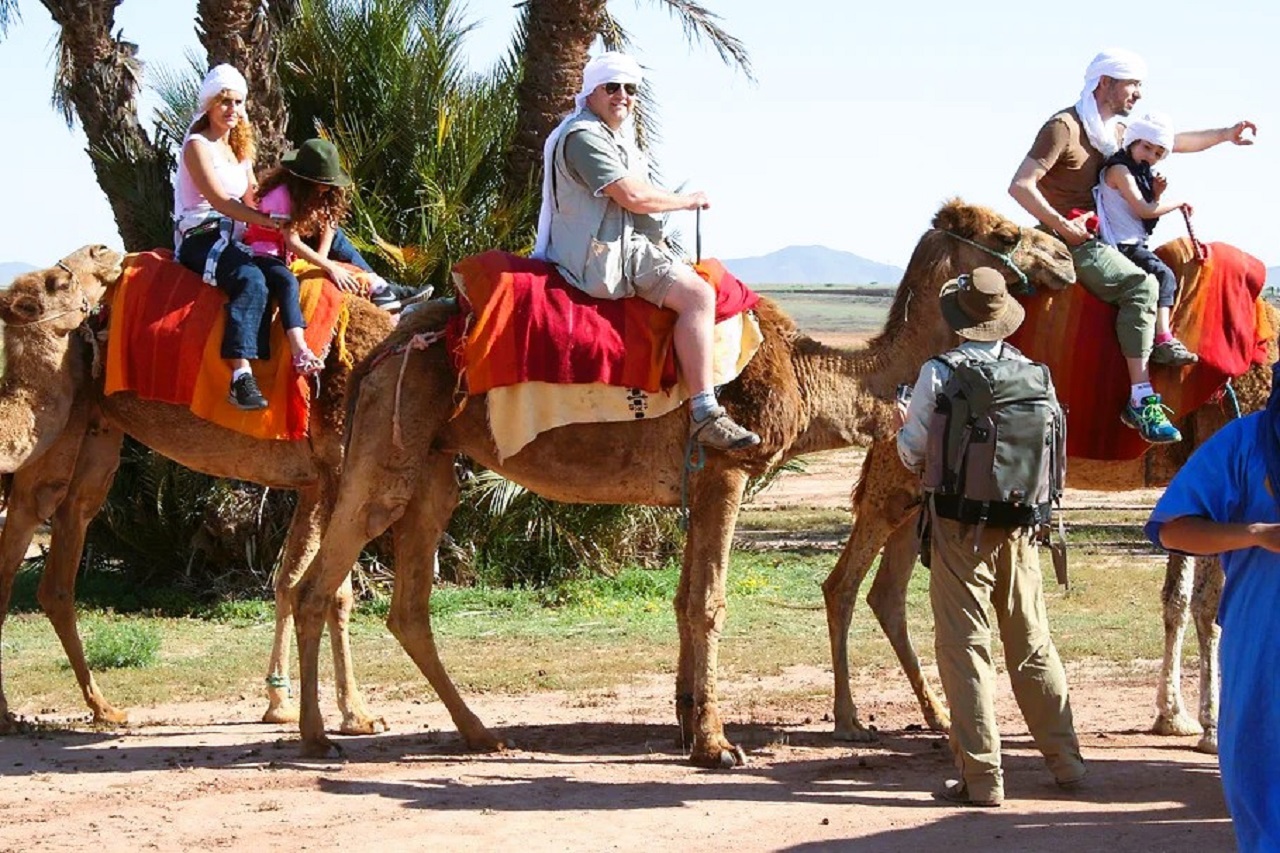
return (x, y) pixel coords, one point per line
(1130, 200)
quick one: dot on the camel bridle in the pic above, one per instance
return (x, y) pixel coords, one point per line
(84, 307)
(1024, 284)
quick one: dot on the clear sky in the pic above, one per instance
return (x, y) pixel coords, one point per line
(864, 119)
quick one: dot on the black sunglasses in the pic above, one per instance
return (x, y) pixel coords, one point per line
(612, 88)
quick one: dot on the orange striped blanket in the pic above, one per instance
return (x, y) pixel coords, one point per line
(521, 322)
(1217, 316)
(165, 338)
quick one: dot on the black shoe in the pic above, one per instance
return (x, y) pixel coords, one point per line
(386, 300)
(245, 394)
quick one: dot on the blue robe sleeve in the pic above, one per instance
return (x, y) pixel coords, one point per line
(1211, 484)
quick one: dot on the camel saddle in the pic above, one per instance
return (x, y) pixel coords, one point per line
(1218, 315)
(165, 341)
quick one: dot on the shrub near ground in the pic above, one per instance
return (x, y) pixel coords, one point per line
(587, 635)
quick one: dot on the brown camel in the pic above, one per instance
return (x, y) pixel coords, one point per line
(798, 395)
(70, 482)
(886, 503)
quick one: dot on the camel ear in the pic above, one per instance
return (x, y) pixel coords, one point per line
(958, 218)
(19, 308)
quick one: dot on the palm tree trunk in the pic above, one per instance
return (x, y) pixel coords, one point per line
(242, 32)
(558, 37)
(99, 77)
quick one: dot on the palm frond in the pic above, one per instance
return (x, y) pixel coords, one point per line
(9, 14)
(701, 25)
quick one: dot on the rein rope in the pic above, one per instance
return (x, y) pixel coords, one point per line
(1024, 286)
(1201, 252)
(418, 342)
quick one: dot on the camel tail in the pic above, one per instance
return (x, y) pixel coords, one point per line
(860, 484)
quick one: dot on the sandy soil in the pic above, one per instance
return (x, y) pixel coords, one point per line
(601, 771)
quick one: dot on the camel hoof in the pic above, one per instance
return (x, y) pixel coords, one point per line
(108, 716)
(281, 715)
(1208, 742)
(10, 724)
(486, 742)
(321, 748)
(1177, 725)
(854, 734)
(364, 726)
(727, 757)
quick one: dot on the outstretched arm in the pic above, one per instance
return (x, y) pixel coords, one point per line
(1190, 141)
(640, 196)
(1192, 534)
(1025, 189)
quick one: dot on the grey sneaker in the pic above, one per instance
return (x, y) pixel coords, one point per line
(719, 432)
(1174, 353)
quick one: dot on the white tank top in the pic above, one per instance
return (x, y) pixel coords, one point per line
(1116, 222)
(190, 207)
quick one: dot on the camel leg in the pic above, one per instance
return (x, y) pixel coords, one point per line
(700, 603)
(356, 718)
(95, 469)
(1204, 608)
(1171, 715)
(417, 534)
(888, 600)
(840, 592)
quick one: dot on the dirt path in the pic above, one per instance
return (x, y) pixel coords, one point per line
(601, 771)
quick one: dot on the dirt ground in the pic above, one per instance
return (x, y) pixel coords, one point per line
(602, 771)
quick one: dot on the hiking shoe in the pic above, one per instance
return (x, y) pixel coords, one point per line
(245, 394)
(957, 793)
(1151, 421)
(719, 432)
(1174, 353)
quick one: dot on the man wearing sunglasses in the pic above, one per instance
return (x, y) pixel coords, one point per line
(597, 225)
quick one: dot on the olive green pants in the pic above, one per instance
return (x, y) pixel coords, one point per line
(1109, 275)
(1004, 574)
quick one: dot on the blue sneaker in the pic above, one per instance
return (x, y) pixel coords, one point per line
(1150, 420)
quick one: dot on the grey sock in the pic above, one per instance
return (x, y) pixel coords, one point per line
(702, 405)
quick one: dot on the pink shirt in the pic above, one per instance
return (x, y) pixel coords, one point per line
(270, 241)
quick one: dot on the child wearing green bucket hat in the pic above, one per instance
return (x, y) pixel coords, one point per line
(310, 189)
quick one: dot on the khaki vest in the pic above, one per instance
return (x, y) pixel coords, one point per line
(590, 233)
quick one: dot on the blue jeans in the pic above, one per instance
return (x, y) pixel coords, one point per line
(345, 251)
(1149, 262)
(251, 282)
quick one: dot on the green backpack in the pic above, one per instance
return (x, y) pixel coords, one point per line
(996, 452)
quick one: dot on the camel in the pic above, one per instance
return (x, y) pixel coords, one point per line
(798, 395)
(886, 502)
(69, 483)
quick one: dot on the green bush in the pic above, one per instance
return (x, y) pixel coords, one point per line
(122, 645)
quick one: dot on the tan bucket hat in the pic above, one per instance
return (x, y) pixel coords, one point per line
(979, 307)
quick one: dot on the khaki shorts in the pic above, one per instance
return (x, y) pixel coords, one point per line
(651, 269)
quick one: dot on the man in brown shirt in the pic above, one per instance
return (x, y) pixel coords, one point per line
(1055, 184)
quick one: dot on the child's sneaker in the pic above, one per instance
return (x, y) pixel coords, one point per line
(1150, 420)
(1174, 353)
(245, 394)
(386, 300)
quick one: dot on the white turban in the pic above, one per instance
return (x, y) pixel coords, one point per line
(608, 67)
(1155, 128)
(1117, 64)
(220, 78)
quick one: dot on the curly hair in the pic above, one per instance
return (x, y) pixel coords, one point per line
(242, 139)
(315, 205)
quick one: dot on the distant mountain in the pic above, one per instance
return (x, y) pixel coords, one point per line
(812, 265)
(10, 269)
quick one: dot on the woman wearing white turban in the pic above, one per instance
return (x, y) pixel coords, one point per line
(1055, 182)
(597, 226)
(212, 201)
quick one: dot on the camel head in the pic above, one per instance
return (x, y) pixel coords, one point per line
(1004, 245)
(62, 296)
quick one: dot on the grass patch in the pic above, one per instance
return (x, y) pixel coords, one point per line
(588, 635)
(122, 645)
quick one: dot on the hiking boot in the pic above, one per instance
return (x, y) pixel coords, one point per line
(719, 432)
(957, 793)
(1174, 353)
(245, 394)
(1150, 420)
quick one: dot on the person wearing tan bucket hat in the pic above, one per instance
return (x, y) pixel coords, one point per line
(310, 189)
(991, 565)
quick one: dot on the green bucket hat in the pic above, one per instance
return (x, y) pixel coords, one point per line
(317, 160)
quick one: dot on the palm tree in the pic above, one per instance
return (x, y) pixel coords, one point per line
(557, 36)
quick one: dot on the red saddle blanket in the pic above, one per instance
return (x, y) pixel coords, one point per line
(165, 340)
(522, 322)
(1218, 315)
